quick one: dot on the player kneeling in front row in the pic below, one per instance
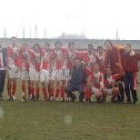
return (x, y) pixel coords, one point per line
(76, 83)
(110, 85)
(98, 84)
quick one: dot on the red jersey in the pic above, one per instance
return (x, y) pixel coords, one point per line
(34, 60)
(57, 59)
(24, 54)
(130, 63)
(46, 60)
(113, 58)
(13, 55)
(101, 61)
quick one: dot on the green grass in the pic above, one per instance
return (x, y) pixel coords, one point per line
(69, 121)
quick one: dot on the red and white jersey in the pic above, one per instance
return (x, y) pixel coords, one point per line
(45, 60)
(89, 59)
(98, 80)
(108, 80)
(34, 60)
(14, 58)
(24, 59)
(57, 60)
(101, 61)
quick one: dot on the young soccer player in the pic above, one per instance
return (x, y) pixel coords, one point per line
(98, 84)
(34, 71)
(111, 87)
(56, 71)
(13, 64)
(45, 68)
(24, 70)
(89, 59)
(114, 61)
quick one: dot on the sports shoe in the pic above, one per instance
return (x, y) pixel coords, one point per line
(51, 98)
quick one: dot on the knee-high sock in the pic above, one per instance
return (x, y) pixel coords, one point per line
(87, 93)
(14, 85)
(37, 91)
(9, 88)
(62, 92)
(23, 88)
(45, 92)
(57, 93)
(51, 91)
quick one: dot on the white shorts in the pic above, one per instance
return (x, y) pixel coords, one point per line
(33, 74)
(13, 72)
(56, 75)
(44, 76)
(65, 74)
(95, 90)
(108, 91)
(24, 75)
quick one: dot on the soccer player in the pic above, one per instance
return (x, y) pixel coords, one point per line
(100, 54)
(111, 87)
(56, 72)
(89, 59)
(114, 61)
(45, 68)
(34, 71)
(98, 84)
(3, 64)
(24, 54)
(13, 64)
(130, 65)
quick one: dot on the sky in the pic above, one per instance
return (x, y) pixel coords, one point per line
(99, 19)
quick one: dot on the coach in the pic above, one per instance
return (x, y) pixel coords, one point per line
(3, 57)
(76, 83)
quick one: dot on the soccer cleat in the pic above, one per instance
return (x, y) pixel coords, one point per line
(13, 98)
(61, 100)
(57, 99)
(51, 98)
(9, 98)
(136, 100)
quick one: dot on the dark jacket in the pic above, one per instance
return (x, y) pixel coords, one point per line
(78, 75)
(4, 52)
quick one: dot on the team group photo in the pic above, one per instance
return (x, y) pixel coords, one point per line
(58, 71)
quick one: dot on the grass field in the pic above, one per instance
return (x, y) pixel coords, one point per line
(69, 121)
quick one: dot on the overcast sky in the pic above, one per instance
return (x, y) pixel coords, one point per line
(95, 18)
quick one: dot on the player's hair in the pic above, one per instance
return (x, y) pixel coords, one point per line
(70, 43)
(108, 41)
(129, 45)
(90, 45)
(99, 47)
(25, 44)
(47, 43)
(36, 45)
(58, 42)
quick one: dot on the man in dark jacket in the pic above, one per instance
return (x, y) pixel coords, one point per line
(76, 83)
(3, 57)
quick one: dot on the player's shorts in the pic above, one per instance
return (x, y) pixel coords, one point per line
(56, 75)
(95, 90)
(24, 75)
(108, 91)
(65, 74)
(33, 74)
(44, 75)
(14, 72)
